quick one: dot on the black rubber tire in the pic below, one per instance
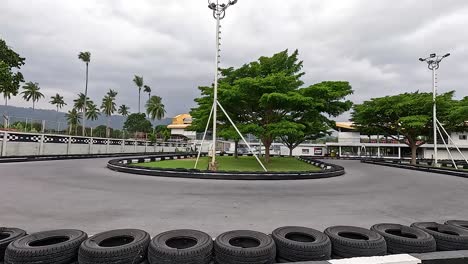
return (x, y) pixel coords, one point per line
(123, 246)
(54, 247)
(295, 244)
(195, 247)
(8, 235)
(448, 238)
(228, 248)
(404, 239)
(349, 246)
(458, 223)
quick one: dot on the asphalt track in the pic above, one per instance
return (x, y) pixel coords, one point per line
(84, 194)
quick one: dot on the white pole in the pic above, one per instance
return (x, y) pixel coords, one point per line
(240, 134)
(215, 95)
(453, 143)
(204, 135)
(448, 150)
(434, 91)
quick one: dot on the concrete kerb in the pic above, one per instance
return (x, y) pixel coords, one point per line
(29, 158)
(451, 172)
(442, 257)
(125, 165)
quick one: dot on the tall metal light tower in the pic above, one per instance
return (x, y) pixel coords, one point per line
(219, 12)
(433, 62)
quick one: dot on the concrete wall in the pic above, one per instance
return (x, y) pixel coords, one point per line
(349, 137)
(23, 144)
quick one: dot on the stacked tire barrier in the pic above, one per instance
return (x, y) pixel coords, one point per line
(284, 245)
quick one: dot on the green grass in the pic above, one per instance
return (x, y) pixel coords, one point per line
(232, 164)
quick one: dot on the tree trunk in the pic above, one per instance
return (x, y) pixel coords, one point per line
(267, 144)
(84, 106)
(290, 152)
(414, 149)
(236, 146)
(108, 127)
(139, 100)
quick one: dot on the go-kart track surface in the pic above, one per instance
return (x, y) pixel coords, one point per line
(84, 194)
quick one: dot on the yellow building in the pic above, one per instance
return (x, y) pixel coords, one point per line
(179, 126)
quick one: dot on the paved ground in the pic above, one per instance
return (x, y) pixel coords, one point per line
(84, 194)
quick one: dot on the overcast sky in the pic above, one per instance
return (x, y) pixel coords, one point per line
(375, 45)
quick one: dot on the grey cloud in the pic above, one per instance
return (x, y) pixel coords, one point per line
(372, 44)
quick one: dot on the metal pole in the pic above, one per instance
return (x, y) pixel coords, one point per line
(240, 134)
(434, 91)
(204, 135)
(215, 96)
(448, 150)
(453, 143)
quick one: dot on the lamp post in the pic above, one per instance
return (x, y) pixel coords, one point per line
(433, 63)
(219, 12)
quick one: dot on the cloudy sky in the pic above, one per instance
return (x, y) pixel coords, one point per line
(375, 45)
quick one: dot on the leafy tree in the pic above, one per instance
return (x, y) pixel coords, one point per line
(100, 131)
(458, 116)
(86, 58)
(108, 107)
(137, 123)
(92, 112)
(265, 98)
(155, 108)
(31, 91)
(10, 80)
(407, 114)
(325, 99)
(147, 89)
(138, 80)
(229, 133)
(162, 132)
(73, 119)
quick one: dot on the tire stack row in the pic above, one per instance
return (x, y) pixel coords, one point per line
(284, 245)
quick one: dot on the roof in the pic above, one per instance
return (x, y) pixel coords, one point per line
(175, 126)
(345, 125)
(181, 121)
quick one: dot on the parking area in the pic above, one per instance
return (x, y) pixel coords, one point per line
(84, 194)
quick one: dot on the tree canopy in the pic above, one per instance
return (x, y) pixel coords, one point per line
(10, 77)
(267, 99)
(407, 114)
(137, 123)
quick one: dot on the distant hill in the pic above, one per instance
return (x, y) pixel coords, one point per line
(51, 117)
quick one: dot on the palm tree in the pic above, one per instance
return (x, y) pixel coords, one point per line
(92, 113)
(138, 80)
(147, 89)
(108, 107)
(73, 119)
(124, 110)
(80, 102)
(155, 108)
(112, 93)
(32, 92)
(86, 58)
(7, 92)
(58, 101)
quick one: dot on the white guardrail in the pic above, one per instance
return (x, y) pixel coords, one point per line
(23, 144)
